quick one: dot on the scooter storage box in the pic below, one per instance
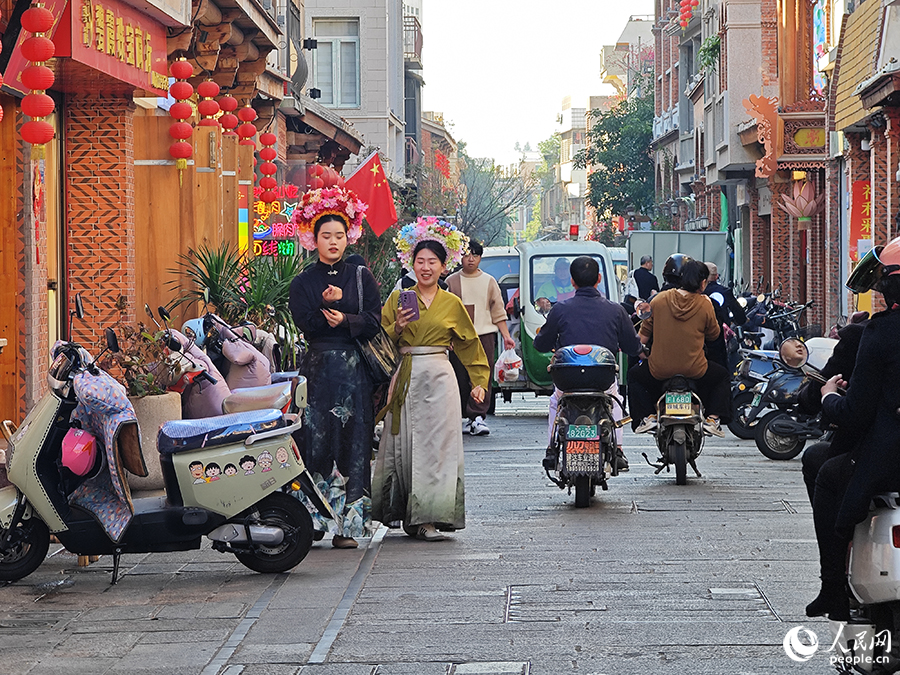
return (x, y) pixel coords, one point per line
(583, 368)
(874, 558)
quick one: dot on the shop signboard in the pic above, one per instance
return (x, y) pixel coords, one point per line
(12, 77)
(108, 36)
(860, 239)
(274, 234)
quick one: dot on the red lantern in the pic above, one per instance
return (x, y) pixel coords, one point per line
(318, 170)
(268, 168)
(181, 90)
(38, 48)
(208, 89)
(246, 114)
(181, 150)
(316, 184)
(208, 107)
(182, 70)
(268, 154)
(38, 77)
(268, 139)
(37, 105)
(37, 132)
(228, 103)
(228, 122)
(181, 131)
(268, 183)
(268, 197)
(181, 110)
(246, 131)
(37, 19)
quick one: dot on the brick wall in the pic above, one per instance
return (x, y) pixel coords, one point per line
(100, 202)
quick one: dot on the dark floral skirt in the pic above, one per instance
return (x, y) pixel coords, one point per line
(337, 437)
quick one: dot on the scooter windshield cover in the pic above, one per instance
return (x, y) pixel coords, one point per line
(867, 272)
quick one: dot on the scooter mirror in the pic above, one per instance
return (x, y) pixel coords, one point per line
(172, 343)
(112, 340)
(79, 306)
(794, 353)
(149, 311)
(164, 313)
(189, 332)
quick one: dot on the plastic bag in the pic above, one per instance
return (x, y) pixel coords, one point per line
(507, 367)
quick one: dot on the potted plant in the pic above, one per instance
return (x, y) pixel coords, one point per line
(140, 365)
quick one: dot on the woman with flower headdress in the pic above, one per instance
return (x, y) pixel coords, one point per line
(324, 301)
(418, 476)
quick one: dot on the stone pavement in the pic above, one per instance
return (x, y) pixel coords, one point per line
(651, 578)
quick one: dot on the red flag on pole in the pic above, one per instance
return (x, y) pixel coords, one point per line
(370, 184)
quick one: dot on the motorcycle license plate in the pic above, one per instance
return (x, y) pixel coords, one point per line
(679, 404)
(756, 399)
(583, 448)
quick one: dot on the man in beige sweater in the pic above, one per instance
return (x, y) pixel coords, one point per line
(481, 295)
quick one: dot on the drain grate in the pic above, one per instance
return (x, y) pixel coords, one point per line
(490, 668)
(549, 603)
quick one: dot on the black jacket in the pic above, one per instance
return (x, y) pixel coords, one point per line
(730, 311)
(869, 411)
(646, 282)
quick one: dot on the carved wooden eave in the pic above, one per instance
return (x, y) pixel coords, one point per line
(803, 132)
(767, 130)
(229, 41)
(883, 88)
(324, 136)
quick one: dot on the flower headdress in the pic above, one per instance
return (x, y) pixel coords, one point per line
(328, 201)
(431, 228)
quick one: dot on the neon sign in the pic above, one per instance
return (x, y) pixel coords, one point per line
(273, 232)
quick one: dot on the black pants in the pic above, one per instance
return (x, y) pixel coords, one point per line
(843, 489)
(644, 391)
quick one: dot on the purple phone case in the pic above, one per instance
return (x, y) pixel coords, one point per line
(408, 300)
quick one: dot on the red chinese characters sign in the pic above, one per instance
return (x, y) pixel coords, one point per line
(860, 219)
(113, 38)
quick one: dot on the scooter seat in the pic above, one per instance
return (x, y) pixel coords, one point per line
(207, 432)
(285, 376)
(258, 398)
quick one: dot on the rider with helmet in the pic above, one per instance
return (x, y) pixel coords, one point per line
(846, 484)
(681, 320)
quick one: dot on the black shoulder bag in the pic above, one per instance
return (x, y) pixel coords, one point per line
(379, 353)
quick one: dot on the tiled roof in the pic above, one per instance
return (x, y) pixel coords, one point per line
(860, 46)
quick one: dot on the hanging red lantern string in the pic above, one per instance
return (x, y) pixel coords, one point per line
(247, 130)
(268, 168)
(1, 76)
(37, 105)
(181, 150)
(228, 120)
(208, 107)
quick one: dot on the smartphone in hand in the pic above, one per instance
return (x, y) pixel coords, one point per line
(409, 300)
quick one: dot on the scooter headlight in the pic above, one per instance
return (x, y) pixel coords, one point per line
(60, 369)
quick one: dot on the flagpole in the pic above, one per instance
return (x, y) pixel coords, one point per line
(361, 165)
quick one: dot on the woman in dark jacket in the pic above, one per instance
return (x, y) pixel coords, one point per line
(846, 484)
(339, 418)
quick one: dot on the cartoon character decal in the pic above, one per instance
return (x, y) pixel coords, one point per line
(281, 456)
(197, 473)
(247, 463)
(265, 461)
(230, 470)
(212, 471)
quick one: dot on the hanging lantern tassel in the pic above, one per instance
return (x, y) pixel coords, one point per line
(181, 130)
(37, 105)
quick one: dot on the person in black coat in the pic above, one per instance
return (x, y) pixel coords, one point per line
(846, 484)
(728, 311)
(647, 283)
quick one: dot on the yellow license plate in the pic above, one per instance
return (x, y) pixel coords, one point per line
(679, 404)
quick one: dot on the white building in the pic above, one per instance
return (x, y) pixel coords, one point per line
(358, 69)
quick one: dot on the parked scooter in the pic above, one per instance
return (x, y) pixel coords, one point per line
(781, 428)
(754, 367)
(679, 431)
(582, 453)
(227, 478)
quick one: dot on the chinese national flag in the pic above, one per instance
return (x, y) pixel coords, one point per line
(370, 184)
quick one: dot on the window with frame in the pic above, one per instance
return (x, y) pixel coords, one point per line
(336, 62)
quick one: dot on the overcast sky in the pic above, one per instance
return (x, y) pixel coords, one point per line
(499, 69)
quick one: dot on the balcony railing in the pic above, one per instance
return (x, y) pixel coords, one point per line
(412, 41)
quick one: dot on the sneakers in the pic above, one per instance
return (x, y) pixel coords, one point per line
(479, 428)
(711, 426)
(467, 427)
(344, 542)
(428, 532)
(621, 462)
(649, 424)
